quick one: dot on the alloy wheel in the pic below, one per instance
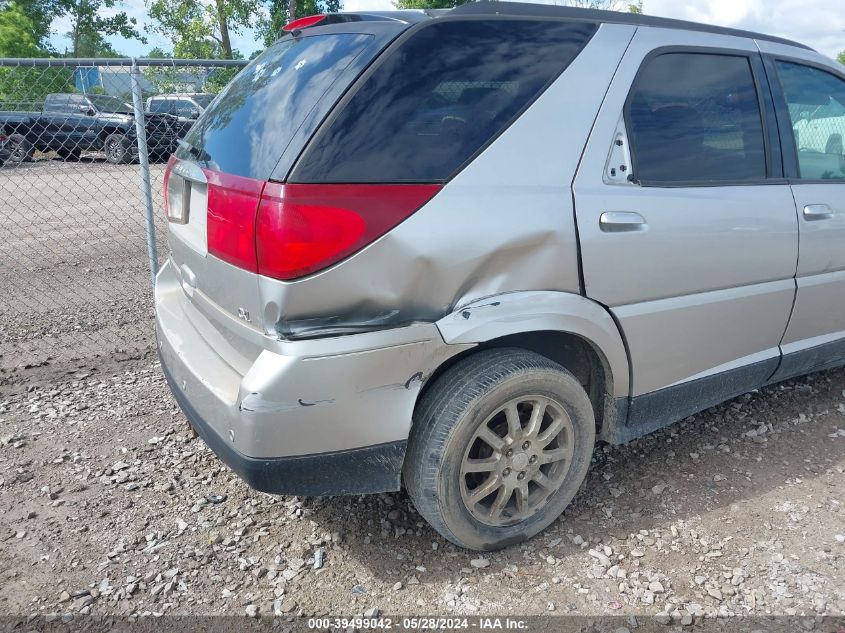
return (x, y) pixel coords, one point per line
(516, 460)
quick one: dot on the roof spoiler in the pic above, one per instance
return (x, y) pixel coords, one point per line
(323, 19)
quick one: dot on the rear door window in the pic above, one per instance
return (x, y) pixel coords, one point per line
(816, 101)
(439, 97)
(695, 118)
(246, 130)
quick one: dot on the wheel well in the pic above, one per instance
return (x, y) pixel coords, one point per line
(571, 351)
(108, 131)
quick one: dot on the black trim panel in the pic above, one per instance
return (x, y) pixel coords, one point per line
(357, 471)
(805, 361)
(652, 411)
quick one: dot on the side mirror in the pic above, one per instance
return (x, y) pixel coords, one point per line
(194, 113)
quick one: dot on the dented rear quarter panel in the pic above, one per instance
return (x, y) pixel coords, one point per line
(505, 223)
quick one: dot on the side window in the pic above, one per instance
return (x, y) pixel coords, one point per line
(55, 103)
(695, 118)
(158, 105)
(816, 102)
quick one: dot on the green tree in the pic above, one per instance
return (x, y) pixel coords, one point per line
(176, 79)
(23, 34)
(92, 21)
(200, 29)
(17, 33)
(842, 57)
(39, 15)
(279, 14)
(25, 87)
(93, 44)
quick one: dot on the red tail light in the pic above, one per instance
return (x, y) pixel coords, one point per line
(305, 22)
(287, 231)
(305, 228)
(230, 227)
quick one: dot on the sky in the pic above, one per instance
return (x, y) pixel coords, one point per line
(817, 23)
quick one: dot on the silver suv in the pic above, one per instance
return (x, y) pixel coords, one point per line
(453, 251)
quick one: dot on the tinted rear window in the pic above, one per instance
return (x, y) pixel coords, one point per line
(245, 131)
(437, 99)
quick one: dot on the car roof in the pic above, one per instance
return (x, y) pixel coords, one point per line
(528, 9)
(486, 7)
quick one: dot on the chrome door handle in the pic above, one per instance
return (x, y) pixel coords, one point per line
(621, 221)
(814, 212)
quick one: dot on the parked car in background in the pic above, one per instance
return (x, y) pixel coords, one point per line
(454, 251)
(70, 124)
(186, 106)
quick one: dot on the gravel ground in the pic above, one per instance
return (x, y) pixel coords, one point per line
(76, 278)
(108, 505)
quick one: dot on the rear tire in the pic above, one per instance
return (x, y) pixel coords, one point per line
(20, 149)
(499, 446)
(118, 149)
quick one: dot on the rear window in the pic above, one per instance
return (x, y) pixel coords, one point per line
(159, 105)
(438, 98)
(247, 129)
(56, 103)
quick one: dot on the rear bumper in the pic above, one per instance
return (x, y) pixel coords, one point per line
(315, 417)
(354, 471)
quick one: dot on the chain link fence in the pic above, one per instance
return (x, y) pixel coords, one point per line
(83, 149)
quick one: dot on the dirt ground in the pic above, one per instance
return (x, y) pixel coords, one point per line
(73, 255)
(109, 506)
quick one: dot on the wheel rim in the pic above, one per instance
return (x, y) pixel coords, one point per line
(114, 150)
(17, 153)
(516, 460)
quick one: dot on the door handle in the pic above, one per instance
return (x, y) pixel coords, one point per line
(621, 221)
(813, 212)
